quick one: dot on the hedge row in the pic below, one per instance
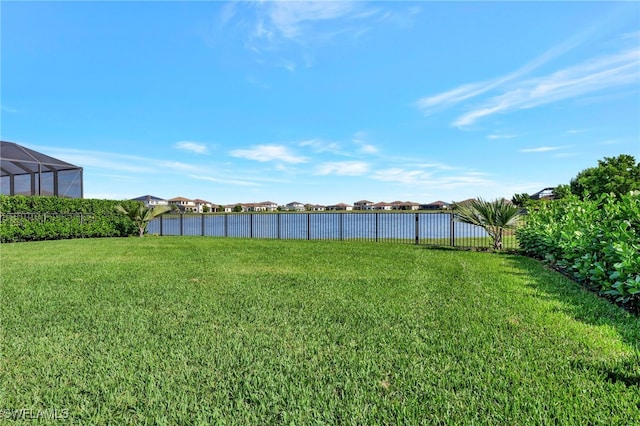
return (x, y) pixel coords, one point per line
(596, 242)
(51, 218)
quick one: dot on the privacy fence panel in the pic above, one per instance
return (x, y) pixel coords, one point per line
(438, 229)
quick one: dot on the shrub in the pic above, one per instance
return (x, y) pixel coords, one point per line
(596, 242)
(51, 218)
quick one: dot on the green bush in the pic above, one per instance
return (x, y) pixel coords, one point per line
(596, 242)
(51, 218)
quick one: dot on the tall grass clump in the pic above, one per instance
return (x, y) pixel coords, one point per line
(597, 242)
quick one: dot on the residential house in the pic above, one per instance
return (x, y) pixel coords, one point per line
(363, 205)
(382, 206)
(295, 206)
(151, 201)
(405, 205)
(183, 204)
(315, 207)
(436, 205)
(202, 206)
(340, 206)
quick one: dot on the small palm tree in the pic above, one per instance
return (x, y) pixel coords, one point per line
(494, 216)
(141, 215)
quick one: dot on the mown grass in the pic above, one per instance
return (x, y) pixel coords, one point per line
(188, 330)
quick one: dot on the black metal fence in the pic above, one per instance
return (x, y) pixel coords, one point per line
(438, 229)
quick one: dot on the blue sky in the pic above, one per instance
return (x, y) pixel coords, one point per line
(322, 102)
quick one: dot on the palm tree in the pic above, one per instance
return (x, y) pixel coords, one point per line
(141, 215)
(494, 216)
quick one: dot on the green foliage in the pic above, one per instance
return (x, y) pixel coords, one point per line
(494, 216)
(141, 215)
(521, 200)
(237, 208)
(51, 218)
(597, 242)
(182, 331)
(613, 175)
(561, 191)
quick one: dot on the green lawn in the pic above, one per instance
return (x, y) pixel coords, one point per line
(191, 330)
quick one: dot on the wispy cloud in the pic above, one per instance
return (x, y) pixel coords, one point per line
(593, 75)
(8, 109)
(101, 160)
(514, 91)
(343, 168)
(431, 104)
(541, 149)
(283, 33)
(225, 181)
(360, 139)
(495, 136)
(400, 175)
(289, 18)
(197, 147)
(264, 153)
(319, 146)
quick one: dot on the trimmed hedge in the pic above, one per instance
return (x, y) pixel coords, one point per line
(51, 218)
(597, 242)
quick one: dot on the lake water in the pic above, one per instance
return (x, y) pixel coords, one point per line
(318, 226)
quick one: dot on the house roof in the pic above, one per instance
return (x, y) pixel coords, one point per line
(180, 199)
(148, 198)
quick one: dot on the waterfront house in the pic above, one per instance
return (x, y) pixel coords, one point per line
(436, 205)
(295, 206)
(382, 206)
(340, 206)
(151, 201)
(183, 204)
(363, 205)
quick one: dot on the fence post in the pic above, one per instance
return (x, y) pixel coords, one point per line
(417, 229)
(377, 225)
(250, 225)
(226, 225)
(161, 222)
(202, 224)
(278, 226)
(452, 230)
(181, 224)
(308, 226)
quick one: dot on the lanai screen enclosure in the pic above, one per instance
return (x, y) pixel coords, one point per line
(28, 172)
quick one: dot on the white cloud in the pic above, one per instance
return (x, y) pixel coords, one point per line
(264, 153)
(7, 109)
(368, 149)
(590, 76)
(541, 149)
(319, 145)
(596, 74)
(401, 175)
(198, 148)
(343, 168)
(495, 136)
(360, 138)
(289, 17)
(516, 92)
(225, 181)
